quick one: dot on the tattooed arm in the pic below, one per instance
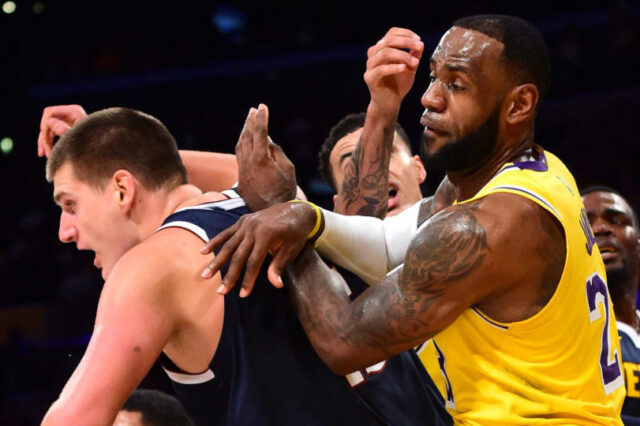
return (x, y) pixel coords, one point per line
(365, 188)
(391, 67)
(463, 256)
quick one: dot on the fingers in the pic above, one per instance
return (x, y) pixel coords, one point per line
(56, 120)
(220, 239)
(401, 32)
(274, 273)
(382, 71)
(281, 259)
(57, 126)
(42, 144)
(400, 39)
(230, 240)
(395, 42)
(398, 51)
(236, 266)
(404, 51)
(261, 132)
(252, 268)
(243, 147)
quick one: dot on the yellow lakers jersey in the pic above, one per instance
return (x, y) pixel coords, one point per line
(429, 358)
(561, 366)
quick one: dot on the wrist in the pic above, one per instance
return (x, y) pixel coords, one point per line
(313, 219)
(383, 113)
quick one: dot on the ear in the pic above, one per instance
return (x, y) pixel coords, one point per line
(421, 173)
(335, 197)
(124, 189)
(523, 101)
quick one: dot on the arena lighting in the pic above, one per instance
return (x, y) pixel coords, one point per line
(6, 146)
(8, 7)
(37, 8)
(228, 20)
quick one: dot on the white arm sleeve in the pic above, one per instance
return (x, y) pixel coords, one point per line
(367, 246)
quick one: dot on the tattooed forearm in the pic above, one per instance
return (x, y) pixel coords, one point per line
(349, 335)
(365, 188)
(398, 313)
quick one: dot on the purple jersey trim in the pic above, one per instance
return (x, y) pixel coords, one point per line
(533, 194)
(481, 315)
(535, 165)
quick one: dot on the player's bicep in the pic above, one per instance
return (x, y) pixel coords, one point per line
(443, 266)
(472, 253)
(421, 297)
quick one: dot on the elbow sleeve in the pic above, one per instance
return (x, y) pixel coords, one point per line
(367, 246)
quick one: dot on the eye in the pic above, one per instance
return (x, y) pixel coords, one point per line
(620, 220)
(455, 87)
(432, 78)
(69, 207)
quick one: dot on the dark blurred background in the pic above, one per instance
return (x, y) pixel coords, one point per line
(198, 67)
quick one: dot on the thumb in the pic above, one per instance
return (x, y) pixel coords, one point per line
(274, 273)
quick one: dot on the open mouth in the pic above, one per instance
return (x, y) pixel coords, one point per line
(608, 253)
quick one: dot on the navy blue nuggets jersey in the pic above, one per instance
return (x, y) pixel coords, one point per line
(630, 346)
(264, 371)
(399, 388)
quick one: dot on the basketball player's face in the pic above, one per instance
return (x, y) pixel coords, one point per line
(91, 218)
(463, 101)
(611, 219)
(406, 172)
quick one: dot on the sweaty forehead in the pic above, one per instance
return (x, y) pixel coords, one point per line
(599, 201)
(466, 46)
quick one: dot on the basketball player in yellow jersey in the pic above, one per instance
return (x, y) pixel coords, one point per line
(507, 280)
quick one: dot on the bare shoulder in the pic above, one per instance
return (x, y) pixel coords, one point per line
(498, 219)
(168, 259)
(514, 220)
(207, 197)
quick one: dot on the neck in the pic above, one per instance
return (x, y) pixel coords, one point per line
(624, 302)
(154, 208)
(468, 182)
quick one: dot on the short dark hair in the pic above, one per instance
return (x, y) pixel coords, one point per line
(525, 52)
(604, 188)
(348, 124)
(599, 188)
(157, 408)
(119, 138)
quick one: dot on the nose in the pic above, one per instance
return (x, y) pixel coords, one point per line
(600, 227)
(67, 233)
(432, 99)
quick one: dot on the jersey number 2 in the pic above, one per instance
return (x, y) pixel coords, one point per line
(597, 294)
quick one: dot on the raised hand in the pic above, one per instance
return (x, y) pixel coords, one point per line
(55, 121)
(281, 229)
(265, 174)
(391, 67)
